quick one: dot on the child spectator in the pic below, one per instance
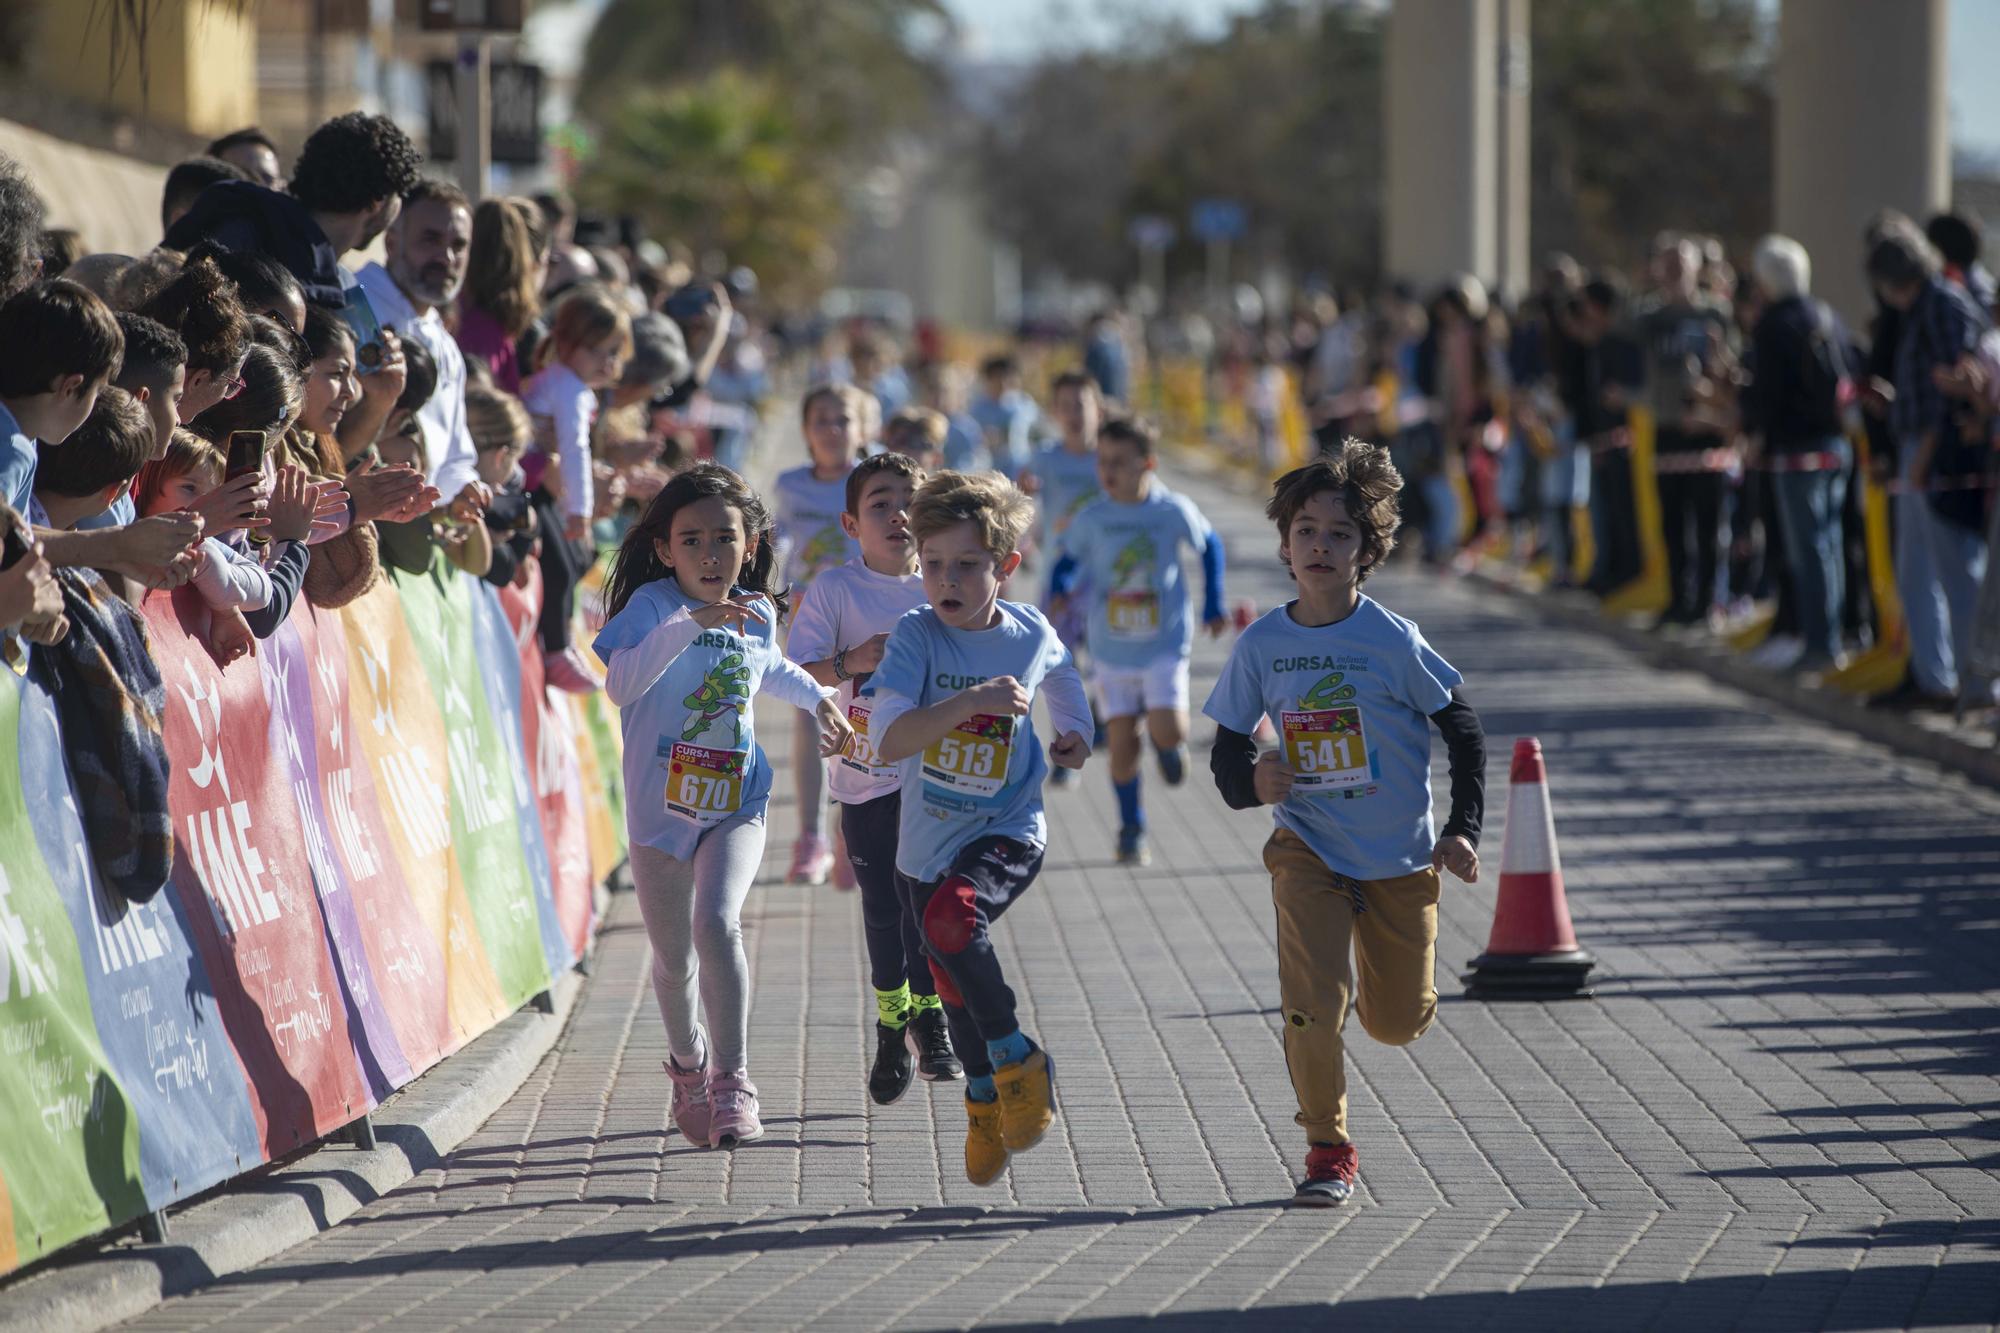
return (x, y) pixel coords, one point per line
(82, 477)
(952, 700)
(1349, 686)
(201, 307)
(155, 373)
(63, 347)
(501, 432)
(591, 334)
(229, 580)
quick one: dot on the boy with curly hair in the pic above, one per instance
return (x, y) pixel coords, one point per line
(952, 695)
(1353, 690)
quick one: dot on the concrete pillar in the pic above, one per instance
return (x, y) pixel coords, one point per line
(1513, 263)
(1440, 117)
(1861, 126)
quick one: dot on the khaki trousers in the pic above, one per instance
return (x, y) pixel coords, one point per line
(1392, 926)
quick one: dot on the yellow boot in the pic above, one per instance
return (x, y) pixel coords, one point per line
(985, 1153)
(1027, 1100)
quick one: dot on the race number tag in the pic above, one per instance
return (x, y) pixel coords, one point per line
(1326, 749)
(1133, 615)
(704, 785)
(972, 759)
(860, 756)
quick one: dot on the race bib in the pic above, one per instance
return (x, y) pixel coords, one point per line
(704, 785)
(1133, 615)
(860, 756)
(1326, 749)
(971, 760)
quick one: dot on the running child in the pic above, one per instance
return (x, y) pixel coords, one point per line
(1350, 686)
(951, 706)
(838, 636)
(691, 641)
(1126, 549)
(810, 500)
(1063, 479)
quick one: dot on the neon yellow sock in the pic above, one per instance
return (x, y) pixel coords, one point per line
(921, 1003)
(892, 1007)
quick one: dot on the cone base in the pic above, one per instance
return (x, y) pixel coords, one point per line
(1540, 976)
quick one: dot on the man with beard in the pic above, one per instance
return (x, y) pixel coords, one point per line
(427, 247)
(345, 191)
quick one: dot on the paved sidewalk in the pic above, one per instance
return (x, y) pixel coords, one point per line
(1778, 1112)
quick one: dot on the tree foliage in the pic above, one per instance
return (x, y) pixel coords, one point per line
(721, 165)
(1646, 114)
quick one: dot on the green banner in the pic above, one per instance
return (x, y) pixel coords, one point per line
(69, 1142)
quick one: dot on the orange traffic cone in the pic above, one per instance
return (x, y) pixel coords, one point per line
(1532, 951)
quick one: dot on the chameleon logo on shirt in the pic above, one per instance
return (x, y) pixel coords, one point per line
(1132, 567)
(825, 550)
(1328, 692)
(724, 692)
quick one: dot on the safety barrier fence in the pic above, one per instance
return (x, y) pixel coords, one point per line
(387, 837)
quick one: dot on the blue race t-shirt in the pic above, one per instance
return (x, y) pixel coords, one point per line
(1130, 559)
(986, 777)
(1352, 704)
(1069, 482)
(18, 457)
(807, 511)
(691, 755)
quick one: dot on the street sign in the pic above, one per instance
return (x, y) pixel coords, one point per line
(517, 111)
(1218, 220)
(1150, 231)
(469, 15)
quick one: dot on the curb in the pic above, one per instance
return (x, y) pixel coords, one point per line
(1902, 733)
(252, 1219)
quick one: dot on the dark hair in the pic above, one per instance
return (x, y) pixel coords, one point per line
(268, 332)
(637, 564)
(262, 283)
(435, 189)
(53, 329)
(1367, 484)
(61, 247)
(354, 162)
(1902, 259)
(1079, 380)
(200, 305)
(555, 208)
(500, 265)
(249, 136)
(269, 397)
(874, 466)
(111, 445)
(1135, 431)
(21, 218)
(1604, 294)
(1002, 364)
(324, 331)
(188, 179)
(420, 376)
(1957, 237)
(152, 351)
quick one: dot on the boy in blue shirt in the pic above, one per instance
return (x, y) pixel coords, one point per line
(1353, 690)
(1063, 479)
(1125, 548)
(951, 705)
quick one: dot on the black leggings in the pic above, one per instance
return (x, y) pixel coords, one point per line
(561, 570)
(985, 879)
(894, 934)
(1691, 513)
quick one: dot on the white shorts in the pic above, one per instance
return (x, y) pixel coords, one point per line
(1130, 691)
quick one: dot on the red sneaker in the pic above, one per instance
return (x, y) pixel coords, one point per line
(1329, 1176)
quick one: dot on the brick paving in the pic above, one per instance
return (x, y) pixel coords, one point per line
(1778, 1111)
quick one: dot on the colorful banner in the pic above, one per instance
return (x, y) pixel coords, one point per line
(387, 836)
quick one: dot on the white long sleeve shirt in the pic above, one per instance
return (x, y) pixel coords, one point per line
(564, 409)
(230, 580)
(453, 459)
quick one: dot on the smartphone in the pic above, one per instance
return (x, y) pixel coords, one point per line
(246, 455)
(13, 546)
(360, 317)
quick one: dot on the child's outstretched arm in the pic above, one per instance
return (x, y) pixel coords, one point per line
(1465, 747)
(790, 683)
(631, 669)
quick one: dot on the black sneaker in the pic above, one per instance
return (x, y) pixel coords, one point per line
(930, 1041)
(1132, 847)
(890, 1078)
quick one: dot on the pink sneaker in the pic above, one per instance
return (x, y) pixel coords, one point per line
(732, 1103)
(812, 860)
(570, 673)
(691, 1110)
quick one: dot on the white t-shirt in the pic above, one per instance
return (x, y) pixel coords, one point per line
(847, 605)
(564, 409)
(447, 440)
(808, 513)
